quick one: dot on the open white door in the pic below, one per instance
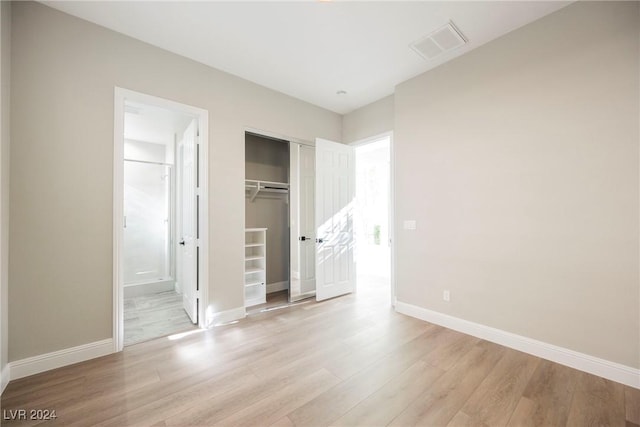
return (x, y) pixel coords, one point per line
(335, 194)
(302, 199)
(187, 251)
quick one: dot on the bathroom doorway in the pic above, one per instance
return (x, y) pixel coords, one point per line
(158, 276)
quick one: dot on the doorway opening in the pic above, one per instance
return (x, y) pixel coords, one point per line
(373, 218)
(159, 206)
(267, 236)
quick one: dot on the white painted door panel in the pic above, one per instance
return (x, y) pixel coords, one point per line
(307, 219)
(302, 209)
(335, 194)
(187, 249)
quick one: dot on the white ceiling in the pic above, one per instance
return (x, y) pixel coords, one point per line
(311, 49)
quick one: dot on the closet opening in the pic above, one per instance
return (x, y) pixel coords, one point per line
(267, 233)
(299, 228)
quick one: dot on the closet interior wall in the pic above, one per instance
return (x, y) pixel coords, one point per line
(268, 160)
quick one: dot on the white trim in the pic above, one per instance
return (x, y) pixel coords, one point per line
(118, 220)
(278, 136)
(392, 216)
(564, 356)
(203, 238)
(228, 316)
(371, 139)
(5, 376)
(392, 203)
(57, 359)
(277, 286)
(120, 96)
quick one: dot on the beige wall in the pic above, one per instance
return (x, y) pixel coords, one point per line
(519, 162)
(268, 160)
(5, 68)
(368, 121)
(64, 72)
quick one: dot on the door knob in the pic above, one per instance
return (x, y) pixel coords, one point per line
(182, 242)
(303, 238)
(319, 240)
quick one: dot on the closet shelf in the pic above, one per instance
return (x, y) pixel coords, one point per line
(248, 285)
(253, 258)
(255, 186)
(253, 245)
(253, 270)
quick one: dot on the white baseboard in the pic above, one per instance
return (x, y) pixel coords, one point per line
(4, 377)
(564, 356)
(57, 359)
(226, 316)
(277, 286)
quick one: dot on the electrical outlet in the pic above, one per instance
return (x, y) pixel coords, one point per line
(446, 295)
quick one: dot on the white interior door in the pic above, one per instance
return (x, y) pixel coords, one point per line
(302, 214)
(307, 219)
(187, 251)
(335, 198)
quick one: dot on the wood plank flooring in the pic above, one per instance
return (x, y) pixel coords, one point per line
(350, 361)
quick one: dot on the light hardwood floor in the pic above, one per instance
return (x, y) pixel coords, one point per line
(275, 301)
(344, 362)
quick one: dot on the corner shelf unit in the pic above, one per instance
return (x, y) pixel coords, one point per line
(255, 266)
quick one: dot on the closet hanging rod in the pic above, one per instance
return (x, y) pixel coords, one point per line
(253, 182)
(256, 186)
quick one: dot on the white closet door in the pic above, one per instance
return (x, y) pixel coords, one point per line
(335, 199)
(307, 219)
(302, 214)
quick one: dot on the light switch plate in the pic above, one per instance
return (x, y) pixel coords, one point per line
(409, 224)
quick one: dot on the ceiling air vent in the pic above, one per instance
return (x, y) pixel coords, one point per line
(441, 40)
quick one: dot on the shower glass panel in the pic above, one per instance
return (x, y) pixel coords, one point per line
(147, 232)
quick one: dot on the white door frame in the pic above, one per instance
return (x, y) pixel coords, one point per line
(278, 136)
(120, 96)
(392, 203)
